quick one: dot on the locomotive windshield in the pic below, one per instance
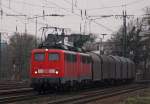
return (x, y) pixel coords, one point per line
(53, 56)
(39, 56)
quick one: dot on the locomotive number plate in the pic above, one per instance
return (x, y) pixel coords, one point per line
(52, 71)
(40, 71)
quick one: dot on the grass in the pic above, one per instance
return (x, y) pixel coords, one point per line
(138, 100)
(143, 98)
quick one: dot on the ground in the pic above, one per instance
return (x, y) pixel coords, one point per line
(137, 97)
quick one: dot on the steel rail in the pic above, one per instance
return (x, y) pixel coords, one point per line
(81, 99)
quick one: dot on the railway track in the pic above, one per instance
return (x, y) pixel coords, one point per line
(13, 95)
(10, 90)
(97, 95)
(71, 98)
(15, 91)
(12, 87)
(4, 85)
(18, 97)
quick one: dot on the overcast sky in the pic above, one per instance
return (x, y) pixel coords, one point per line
(72, 18)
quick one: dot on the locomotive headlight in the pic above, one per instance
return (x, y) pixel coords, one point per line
(46, 49)
(35, 72)
(53, 71)
(56, 71)
(41, 71)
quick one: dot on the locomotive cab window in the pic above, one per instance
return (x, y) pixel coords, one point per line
(83, 58)
(39, 56)
(70, 57)
(53, 56)
(86, 59)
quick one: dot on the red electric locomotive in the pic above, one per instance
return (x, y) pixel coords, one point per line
(53, 68)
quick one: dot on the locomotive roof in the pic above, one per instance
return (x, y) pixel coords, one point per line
(43, 50)
(59, 50)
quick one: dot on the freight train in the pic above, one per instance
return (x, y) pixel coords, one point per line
(59, 69)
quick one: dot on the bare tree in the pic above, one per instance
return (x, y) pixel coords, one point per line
(20, 48)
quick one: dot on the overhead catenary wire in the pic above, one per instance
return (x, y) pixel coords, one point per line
(69, 2)
(73, 3)
(88, 19)
(33, 5)
(61, 8)
(15, 17)
(116, 6)
(58, 6)
(34, 16)
(126, 4)
(36, 5)
(103, 26)
(38, 16)
(20, 19)
(19, 13)
(80, 16)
